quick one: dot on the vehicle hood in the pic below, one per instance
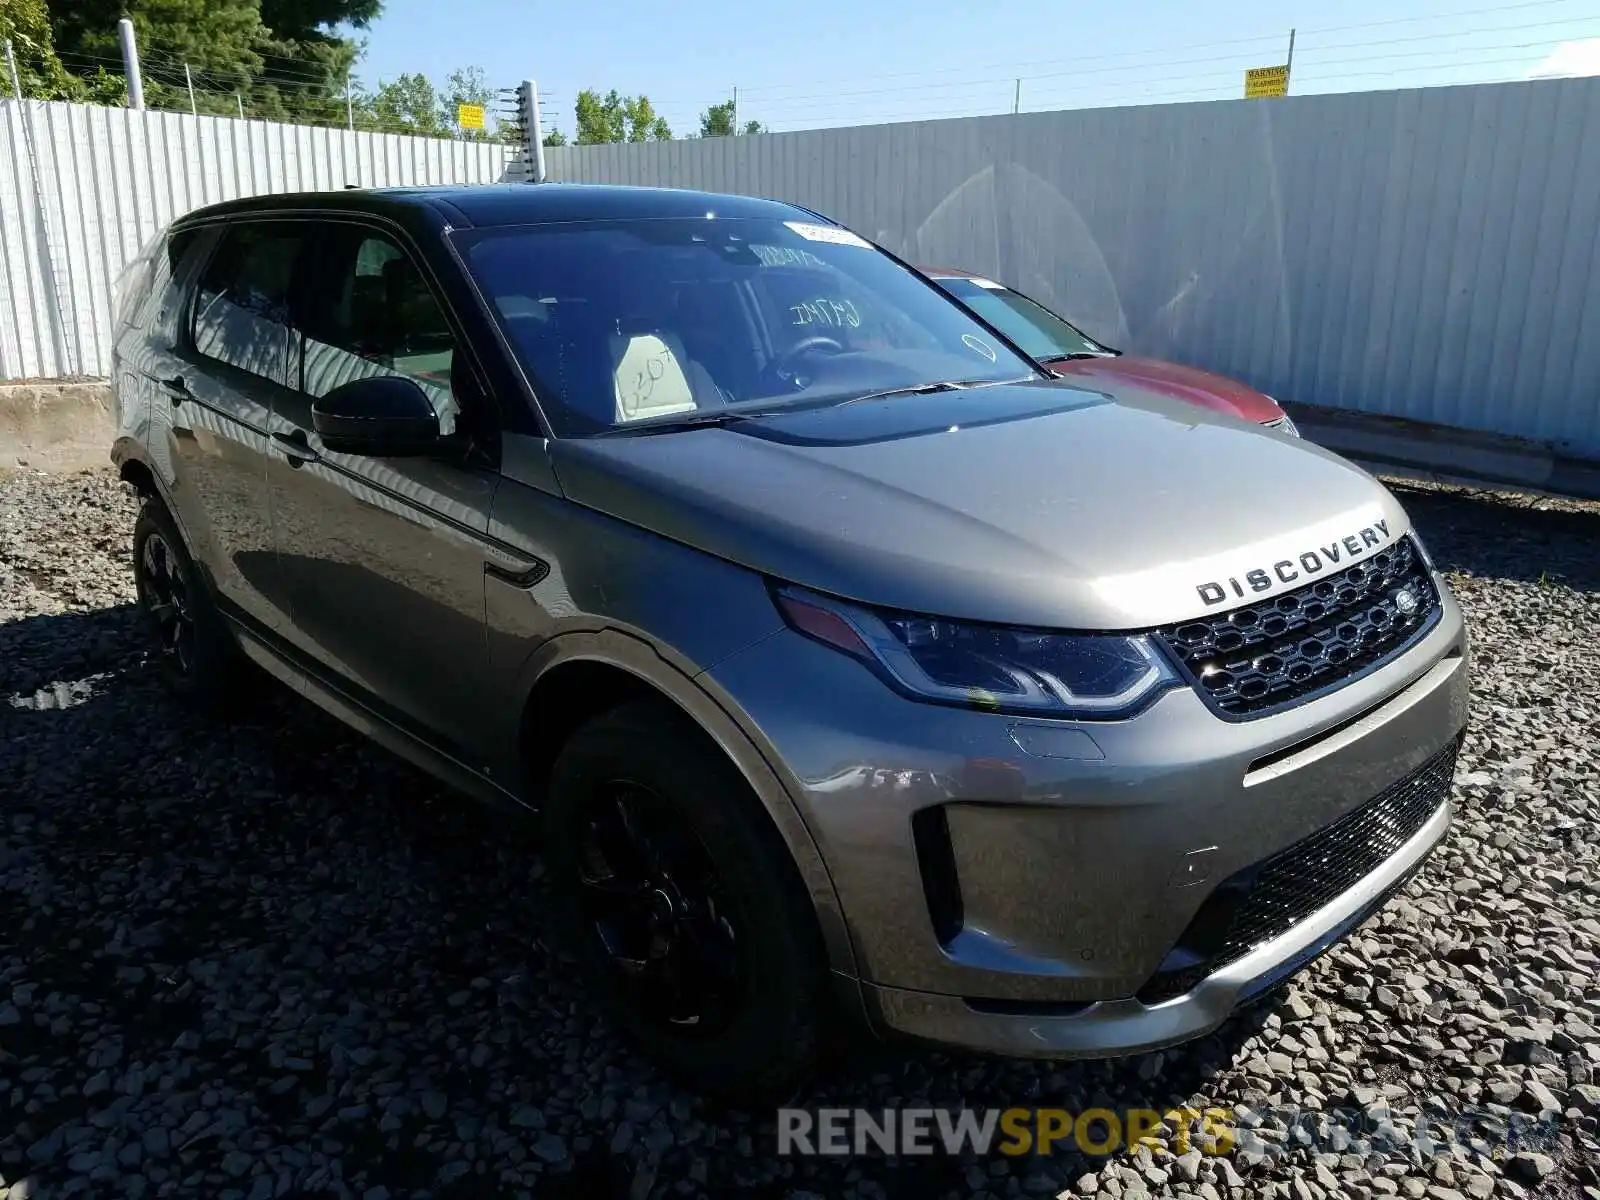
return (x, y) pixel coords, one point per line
(1031, 504)
(1130, 375)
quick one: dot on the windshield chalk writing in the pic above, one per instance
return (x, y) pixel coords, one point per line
(826, 311)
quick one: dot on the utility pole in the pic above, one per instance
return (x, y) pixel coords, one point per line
(528, 165)
(189, 80)
(735, 110)
(130, 63)
(535, 131)
(1016, 100)
(1288, 68)
(349, 104)
(240, 99)
(16, 79)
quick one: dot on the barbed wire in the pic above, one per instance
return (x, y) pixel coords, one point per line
(1279, 36)
(835, 103)
(222, 104)
(1003, 106)
(756, 97)
(1155, 95)
(1110, 82)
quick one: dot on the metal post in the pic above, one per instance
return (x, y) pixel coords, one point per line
(535, 132)
(130, 63)
(189, 80)
(53, 282)
(16, 79)
(240, 99)
(349, 103)
(1288, 67)
(736, 110)
(1016, 100)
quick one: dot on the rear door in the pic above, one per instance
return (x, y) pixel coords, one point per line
(385, 557)
(148, 324)
(228, 365)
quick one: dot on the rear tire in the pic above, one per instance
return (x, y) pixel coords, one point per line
(194, 649)
(713, 964)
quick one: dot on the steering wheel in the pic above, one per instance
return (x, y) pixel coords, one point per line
(786, 366)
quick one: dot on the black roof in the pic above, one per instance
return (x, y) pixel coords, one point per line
(513, 203)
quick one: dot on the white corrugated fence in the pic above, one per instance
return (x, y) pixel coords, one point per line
(82, 187)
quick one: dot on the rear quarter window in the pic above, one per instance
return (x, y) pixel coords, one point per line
(137, 290)
(131, 292)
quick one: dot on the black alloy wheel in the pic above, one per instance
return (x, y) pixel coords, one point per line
(195, 649)
(655, 902)
(681, 904)
(165, 597)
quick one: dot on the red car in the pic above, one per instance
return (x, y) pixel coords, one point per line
(1072, 354)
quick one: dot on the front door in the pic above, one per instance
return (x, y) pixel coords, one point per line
(384, 558)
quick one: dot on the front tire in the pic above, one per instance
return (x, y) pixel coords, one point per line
(683, 907)
(194, 649)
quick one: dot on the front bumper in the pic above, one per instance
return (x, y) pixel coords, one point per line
(1066, 860)
(1110, 1028)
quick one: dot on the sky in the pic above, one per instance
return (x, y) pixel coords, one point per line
(837, 62)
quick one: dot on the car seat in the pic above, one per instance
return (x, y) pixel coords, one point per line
(652, 374)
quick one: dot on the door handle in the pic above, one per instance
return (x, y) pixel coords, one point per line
(177, 389)
(296, 447)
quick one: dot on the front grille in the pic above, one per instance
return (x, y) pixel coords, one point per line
(1265, 657)
(1263, 901)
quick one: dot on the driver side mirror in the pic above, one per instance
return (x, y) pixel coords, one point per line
(385, 416)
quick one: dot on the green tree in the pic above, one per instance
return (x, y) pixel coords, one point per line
(644, 125)
(407, 105)
(216, 38)
(599, 120)
(555, 138)
(26, 25)
(717, 121)
(282, 57)
(618, 118)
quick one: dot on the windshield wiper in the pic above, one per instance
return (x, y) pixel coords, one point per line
(709, 419)
(1080, 354)
(919, 389)
(722, 417)
(928, 389)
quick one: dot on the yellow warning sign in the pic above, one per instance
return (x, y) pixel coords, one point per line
(469, 116)
(1266, 81)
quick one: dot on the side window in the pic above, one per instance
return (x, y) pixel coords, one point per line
(372, 313)
(130, 294)
(242, 301)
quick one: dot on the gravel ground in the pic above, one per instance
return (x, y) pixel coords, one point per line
(265, 958)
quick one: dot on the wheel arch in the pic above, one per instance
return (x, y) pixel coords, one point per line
(135, 469)
(578, 676)
(137, 472)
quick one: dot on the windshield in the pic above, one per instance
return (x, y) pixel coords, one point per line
(1034, 328)
(621, 322)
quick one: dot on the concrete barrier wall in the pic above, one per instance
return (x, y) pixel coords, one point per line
(55, 426)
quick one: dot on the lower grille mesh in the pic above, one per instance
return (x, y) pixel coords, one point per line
(1263, 901)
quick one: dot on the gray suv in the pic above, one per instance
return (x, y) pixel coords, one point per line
(856, 669)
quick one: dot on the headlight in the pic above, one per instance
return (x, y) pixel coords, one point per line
(1283, 424)
(991, 667)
